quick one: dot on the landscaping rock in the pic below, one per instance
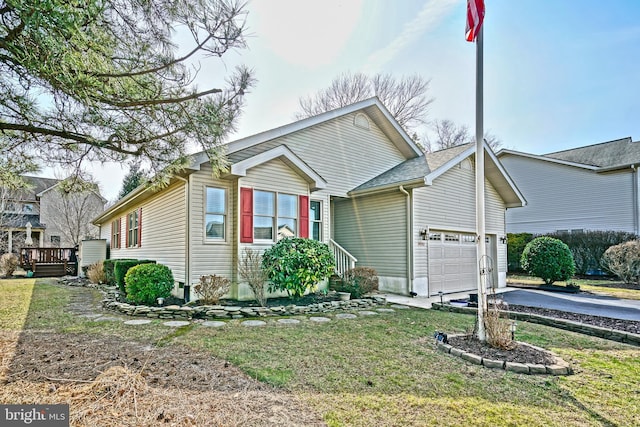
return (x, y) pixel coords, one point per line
(346, 316)
(520, 368)
(213, 324)
(176, 323)
(137, 322)
(493, 364)
(319, 319)
(252, 323)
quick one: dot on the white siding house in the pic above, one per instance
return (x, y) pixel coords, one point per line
(351, 178)
(587, 188)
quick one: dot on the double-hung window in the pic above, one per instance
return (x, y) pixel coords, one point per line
(268, 216)
(216, 213)
(133, 229)
(115, 234)
(287, 215)
(315, 220)
(275, 215)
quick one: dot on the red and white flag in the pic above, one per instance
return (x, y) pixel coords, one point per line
(475, 16)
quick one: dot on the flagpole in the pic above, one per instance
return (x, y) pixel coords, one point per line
(480, 209)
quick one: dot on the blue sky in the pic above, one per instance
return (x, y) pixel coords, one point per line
(558, 73)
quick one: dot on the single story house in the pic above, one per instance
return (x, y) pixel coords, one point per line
(595, 187)
(351, 178)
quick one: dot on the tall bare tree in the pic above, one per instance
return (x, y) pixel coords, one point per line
(74, 202)
(105, 80)
(405, 98)
(448, 134)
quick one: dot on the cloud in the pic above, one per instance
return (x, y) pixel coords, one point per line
(429, 17)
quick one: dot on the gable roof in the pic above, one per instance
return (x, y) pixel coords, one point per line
(612, 154)
(425, 169)
(283, 153)
(38, 185)
(606, 156)
(372, 107)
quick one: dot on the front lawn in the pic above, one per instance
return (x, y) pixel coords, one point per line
(377, 370)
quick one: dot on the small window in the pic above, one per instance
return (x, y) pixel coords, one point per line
(55, 241)
(27, 208)
(451, 237)
(468, 238)
(215, 215)
(315, 219)
(435, 236)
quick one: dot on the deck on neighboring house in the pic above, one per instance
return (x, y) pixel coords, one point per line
(49, 262)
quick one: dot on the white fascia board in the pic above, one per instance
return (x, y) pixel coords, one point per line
(283, 152)
(428, 180)
(548, 159)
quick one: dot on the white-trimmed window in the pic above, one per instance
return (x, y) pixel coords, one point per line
(133, 229)
(315, 220)
(215, 213)
(275, 215)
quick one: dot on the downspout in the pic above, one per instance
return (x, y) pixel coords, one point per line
(634, 193)
(187, 249)
(409, 240)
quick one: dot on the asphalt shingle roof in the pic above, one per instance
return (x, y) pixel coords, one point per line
(620, 152)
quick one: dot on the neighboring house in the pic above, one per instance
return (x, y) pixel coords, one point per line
(587, 188)
(351, 178)
(38, 208)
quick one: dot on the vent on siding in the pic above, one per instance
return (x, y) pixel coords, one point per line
(361, 121)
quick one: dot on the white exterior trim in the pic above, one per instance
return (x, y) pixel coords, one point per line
(284, 153)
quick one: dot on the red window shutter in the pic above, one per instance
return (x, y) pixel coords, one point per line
(126, 230)
(246, 215)
(139, 227)
(120, 221)
(303, 219)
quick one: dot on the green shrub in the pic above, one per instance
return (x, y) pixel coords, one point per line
(296, 265)
(212, 288)
(108, 265)
(549, 259)
(588, 246)
(515, 245)
(623, 260)
(122, 266)
(357, 281)
(147, 282)
(8, 264)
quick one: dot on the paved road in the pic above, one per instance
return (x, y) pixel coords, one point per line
(595, 305)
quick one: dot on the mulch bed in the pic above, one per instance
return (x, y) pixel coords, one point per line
(519, 354)
(632, 326)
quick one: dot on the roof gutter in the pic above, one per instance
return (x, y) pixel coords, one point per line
(409, 240)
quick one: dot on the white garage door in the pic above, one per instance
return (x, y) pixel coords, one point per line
(452, 262)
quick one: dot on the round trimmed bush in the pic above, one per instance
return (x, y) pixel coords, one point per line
(296, 265)
(549, 259)
(147, 282)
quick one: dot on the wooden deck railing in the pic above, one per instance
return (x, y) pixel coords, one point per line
(43, 261)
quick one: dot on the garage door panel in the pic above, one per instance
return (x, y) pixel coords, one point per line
(452, 264)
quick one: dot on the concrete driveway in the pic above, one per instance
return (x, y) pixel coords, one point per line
(583, 303)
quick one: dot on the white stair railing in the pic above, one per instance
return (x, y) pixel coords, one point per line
(344, 260)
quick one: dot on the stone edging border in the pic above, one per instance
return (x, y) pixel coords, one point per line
(216, 312)
(569, 325)
(559, 367)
